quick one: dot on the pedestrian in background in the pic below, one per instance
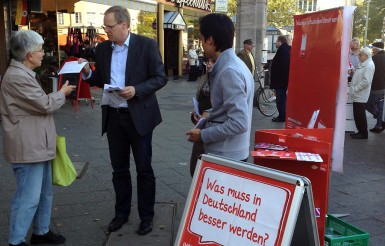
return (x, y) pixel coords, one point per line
(359, 92)
(29, 139)
(228, 126)
(132, 63)
(375, 104)
(193, 62)
(203, 98)
(279, 76)
(353, 57)
(246, 55)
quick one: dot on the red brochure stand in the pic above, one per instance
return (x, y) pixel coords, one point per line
(82, 88)
(317, 141)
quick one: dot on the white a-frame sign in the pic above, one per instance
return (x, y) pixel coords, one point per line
(238, 203)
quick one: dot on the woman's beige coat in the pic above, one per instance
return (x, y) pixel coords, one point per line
(29, 133)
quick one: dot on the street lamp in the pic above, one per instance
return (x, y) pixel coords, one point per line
(366, 22)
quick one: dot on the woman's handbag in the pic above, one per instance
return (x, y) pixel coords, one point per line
(63, 171)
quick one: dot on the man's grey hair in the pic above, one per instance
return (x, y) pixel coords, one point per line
(23, 42)
(121, 14)
(355, 40)
(366, 51)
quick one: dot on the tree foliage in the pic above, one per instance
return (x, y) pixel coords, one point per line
(144, 27)
(280, 12)
(375, 20)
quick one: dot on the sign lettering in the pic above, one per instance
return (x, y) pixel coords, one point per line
(198, 4)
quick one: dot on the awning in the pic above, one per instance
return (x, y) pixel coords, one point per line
(174, 20)
(144, 5)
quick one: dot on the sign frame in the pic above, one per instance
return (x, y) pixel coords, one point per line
(298, 220)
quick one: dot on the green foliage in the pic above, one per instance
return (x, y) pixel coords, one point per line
(232, 8)
(144, 27)
(280, 12)
(375, 21)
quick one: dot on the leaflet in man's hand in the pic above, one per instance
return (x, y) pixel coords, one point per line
(111, 88)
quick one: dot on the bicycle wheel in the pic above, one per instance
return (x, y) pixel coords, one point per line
(267, 102)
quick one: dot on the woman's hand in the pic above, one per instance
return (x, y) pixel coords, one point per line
(66, 88)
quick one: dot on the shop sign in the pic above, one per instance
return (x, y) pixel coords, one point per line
(178, 27)
(221, 6)
(198, 4)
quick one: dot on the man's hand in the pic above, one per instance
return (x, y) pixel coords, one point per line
(194, 135)
(86, 68)
(127, 92)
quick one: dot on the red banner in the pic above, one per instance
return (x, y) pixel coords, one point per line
(314, 69)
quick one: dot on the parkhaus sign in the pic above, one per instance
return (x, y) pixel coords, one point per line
(198, 4)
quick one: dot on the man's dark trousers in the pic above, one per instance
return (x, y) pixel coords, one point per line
(359, 115)
(122, 136)
(280, 95)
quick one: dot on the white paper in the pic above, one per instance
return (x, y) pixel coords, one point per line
(196, 106)
(303, 156)
(111, 96)
(111, 88)
(72, 67)
(313, 119)
(201, 123)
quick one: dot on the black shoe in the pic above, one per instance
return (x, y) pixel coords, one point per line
(20, 244)
(277, 119)
(377, 130)
(359, 136)
(48, 238)
(145, 227)
(354, 133)
(117, 223)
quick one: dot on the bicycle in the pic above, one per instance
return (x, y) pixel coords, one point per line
(264, 97)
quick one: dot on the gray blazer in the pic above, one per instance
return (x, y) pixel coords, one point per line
(26, 113)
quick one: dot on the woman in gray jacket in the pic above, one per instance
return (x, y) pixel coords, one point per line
(29, 139)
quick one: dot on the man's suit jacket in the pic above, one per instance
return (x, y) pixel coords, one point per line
(144, 70)
(280, 67)
(244, 56)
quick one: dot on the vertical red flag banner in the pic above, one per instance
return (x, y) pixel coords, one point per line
(21, 13)
(317, 90)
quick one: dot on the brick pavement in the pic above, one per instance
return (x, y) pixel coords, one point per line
(82, 211)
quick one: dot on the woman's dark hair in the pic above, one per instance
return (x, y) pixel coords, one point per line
(220, 28)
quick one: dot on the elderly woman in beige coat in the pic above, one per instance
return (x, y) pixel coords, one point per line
(29, 139)
(360, 91)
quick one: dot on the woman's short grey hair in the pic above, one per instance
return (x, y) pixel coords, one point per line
(121, 14)
(23, 42)
(366, 51)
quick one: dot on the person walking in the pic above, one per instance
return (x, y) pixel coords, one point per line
(359, 92)
(132, 63)
(29, 140)
(228, 126)
(246, 55)
(279, 76)
(375, 104)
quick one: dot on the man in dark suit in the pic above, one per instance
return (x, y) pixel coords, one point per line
(375, 104)
(132, 63)
(247, 56)
(279, 78)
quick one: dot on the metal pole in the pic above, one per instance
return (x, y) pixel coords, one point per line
(366, 22)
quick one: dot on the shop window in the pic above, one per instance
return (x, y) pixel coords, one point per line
(60, 19)
(78, 18)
